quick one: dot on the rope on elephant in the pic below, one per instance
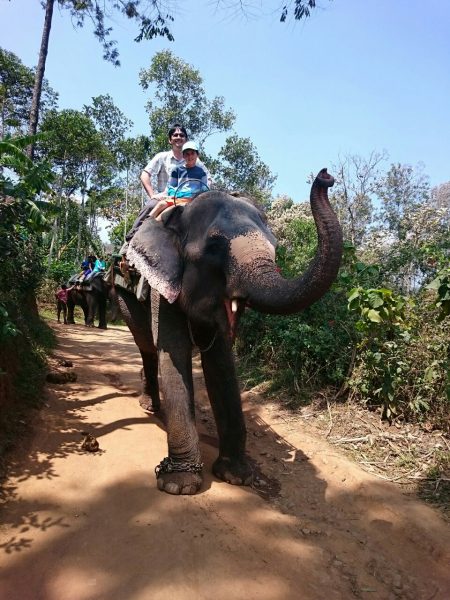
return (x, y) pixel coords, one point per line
(210, 345)
(167, 465)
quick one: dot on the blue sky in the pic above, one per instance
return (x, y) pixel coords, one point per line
(359, 76)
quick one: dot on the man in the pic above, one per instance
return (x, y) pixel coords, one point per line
(185, 181)
(156, 173)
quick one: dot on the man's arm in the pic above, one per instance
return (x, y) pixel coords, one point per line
(150, 171)
(146, 181)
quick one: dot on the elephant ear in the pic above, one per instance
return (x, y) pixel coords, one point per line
(154, 251)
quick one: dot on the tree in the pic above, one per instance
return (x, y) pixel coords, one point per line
(82, 162)
(402, 188)
(16, 87)
(177, 89)
(21, 224)
(152, 19)
(40, 70)
(109, 120)
(405, 241)
(353, 191)
(240, 168)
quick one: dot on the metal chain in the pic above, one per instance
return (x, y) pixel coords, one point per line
(210, 345)
(167, 465)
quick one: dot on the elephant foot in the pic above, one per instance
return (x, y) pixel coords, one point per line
(233, 470)
(149, 404)
(172, 479)
(179, 483)
(102, 327)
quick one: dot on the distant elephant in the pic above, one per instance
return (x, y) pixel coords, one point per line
(92, 299)
(76, 297)
(205, 263)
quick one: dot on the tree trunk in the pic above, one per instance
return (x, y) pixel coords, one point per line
(39, 77)
(80, 224)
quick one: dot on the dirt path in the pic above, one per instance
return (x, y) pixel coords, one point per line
(82, 526)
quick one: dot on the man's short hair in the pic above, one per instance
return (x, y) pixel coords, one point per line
(176, 126)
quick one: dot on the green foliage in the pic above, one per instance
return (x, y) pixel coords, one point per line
(7, 327)
(400, 191)
(352, 195)
(441, 284)
(178, 96)
(16, 90)
(301, 10)
(61, 271)
(26, 180)
(377, 306)
(109, 120)
(301, 353)
(294, 257)
(402, 361)
(23, 339)
(21, 222)
(381, 323)
(85, 149)
(150, 15)
(240, 167)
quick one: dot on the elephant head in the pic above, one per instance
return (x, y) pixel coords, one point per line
(217, 255)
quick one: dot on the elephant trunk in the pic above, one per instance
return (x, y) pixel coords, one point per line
(267, 291)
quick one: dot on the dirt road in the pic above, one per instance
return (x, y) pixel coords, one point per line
(83, 526)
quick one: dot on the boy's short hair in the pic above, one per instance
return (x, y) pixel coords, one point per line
(64, 286)
(190, 146)
(176, 126)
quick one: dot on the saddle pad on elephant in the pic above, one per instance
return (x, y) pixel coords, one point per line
(85, 284)
(133, 282)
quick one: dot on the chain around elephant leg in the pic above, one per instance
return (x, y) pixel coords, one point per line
(178, 477)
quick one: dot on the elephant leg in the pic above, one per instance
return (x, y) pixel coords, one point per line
(89, 314)
(223, 390)
(70, 315)
(180, 473)
(137, 316)
(149, 399)
(101, 301)
(64, 312)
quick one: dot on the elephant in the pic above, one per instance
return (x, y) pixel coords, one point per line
(76, 297)
(205, 263)
(92, 298)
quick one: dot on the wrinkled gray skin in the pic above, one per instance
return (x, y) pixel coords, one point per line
(91, 302)
(212, 258)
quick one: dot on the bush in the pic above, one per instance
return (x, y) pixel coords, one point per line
(402, 360)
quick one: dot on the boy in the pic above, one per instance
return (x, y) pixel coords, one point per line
(185, 180)
(61, 297)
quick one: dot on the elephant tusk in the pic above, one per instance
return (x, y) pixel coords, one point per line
(234, 305)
